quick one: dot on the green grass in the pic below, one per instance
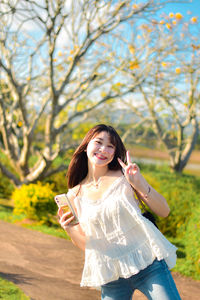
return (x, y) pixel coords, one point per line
(9, 291)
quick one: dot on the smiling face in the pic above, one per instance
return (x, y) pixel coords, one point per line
(100, 150)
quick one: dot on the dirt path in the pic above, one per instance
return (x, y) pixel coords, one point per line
(49, 268)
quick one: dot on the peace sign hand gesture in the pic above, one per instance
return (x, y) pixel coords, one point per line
(131, 171)
(157, 202)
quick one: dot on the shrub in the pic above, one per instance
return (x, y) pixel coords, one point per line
(35, 201)
(192, 244)
(6, 187)
(182, 226)
(58, 181)
(182, 193)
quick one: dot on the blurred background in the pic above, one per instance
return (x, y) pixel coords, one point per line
(66, 66)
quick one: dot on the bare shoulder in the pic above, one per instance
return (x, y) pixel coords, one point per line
(115, 174)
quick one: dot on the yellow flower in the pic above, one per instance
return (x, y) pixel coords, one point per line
(174, 22)
(131, 49)
(60, 68)
(162, 22)
(28, 78)
(179, 16)
(145, 26)
(133, 65)
(70, 58)
(84, 86)
(19, 124)
(195, 47)
(169, 26)
(194, 20)
(103, 94)
(171, 15)
(54, 59)
(164, 64)
(135, 6)
(178, 70)
(59, 53)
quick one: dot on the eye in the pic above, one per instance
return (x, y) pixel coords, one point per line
(111, 146)
(98, 142)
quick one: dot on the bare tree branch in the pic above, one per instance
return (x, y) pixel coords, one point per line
(57, 65)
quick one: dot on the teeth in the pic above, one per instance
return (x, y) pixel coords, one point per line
(99, 156)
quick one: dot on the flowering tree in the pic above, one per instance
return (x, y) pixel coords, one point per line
(53, 62)
(167, 54)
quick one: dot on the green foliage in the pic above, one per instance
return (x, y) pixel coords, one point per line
(8, 291)
(197, 146)
(58, 181)
(192, 244)
(36, 201)
(182, 226)
(80, 132)
(182, 193)
(6, 187)
(6, 162)
(141, 132)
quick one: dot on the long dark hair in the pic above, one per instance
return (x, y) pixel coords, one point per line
(78, 167)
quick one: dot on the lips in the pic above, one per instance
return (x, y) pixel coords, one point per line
(101, 157)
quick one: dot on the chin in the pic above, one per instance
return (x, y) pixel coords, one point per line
(102, 164)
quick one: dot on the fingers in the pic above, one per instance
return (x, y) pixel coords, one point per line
(122, 164)
(65, 219)
(67, 222)
(60, 212)
(132, 168)
(65, 216)
(128, 157)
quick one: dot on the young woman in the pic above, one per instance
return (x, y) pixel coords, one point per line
(124, 251)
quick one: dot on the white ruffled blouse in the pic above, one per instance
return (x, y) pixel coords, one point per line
(119, 240)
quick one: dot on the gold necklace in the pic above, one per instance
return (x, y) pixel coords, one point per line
(96, 184)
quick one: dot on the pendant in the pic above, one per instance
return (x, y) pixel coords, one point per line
(96, 184)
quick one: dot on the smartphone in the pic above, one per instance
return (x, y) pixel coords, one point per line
(64, 202)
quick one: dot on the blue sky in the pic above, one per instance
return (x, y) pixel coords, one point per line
(183, 8)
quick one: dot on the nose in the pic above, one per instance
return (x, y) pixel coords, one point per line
(102, 148)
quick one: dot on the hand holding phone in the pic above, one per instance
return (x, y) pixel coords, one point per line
(64, 203)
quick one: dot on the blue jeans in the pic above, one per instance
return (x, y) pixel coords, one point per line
(155, 281)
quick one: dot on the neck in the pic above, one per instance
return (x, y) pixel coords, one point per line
(94, 174)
